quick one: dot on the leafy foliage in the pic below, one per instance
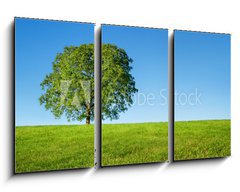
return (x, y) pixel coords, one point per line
(69, 89)
(118, 85)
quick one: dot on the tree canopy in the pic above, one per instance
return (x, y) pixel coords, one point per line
(69, 88)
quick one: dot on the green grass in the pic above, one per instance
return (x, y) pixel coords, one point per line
(134, 143)
(43, 148)
(202, 139)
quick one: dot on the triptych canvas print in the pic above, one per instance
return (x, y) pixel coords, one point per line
(54, 91)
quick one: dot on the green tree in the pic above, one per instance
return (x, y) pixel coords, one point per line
(69, 88)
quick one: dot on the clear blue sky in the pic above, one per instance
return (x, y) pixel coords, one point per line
(37, 43)
(202, 62)
(149, 50)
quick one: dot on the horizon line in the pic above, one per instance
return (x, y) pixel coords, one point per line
(119, 123)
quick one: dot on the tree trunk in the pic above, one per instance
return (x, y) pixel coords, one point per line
(88, 116)
(88, 120)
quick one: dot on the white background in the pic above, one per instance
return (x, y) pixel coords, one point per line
(203, 15)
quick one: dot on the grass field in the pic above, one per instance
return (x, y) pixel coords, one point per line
(42, 148)
(202, 139)
(134, 143)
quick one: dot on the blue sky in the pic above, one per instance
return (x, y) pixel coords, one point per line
(202, 63)
(37, 43)
(149, 50)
